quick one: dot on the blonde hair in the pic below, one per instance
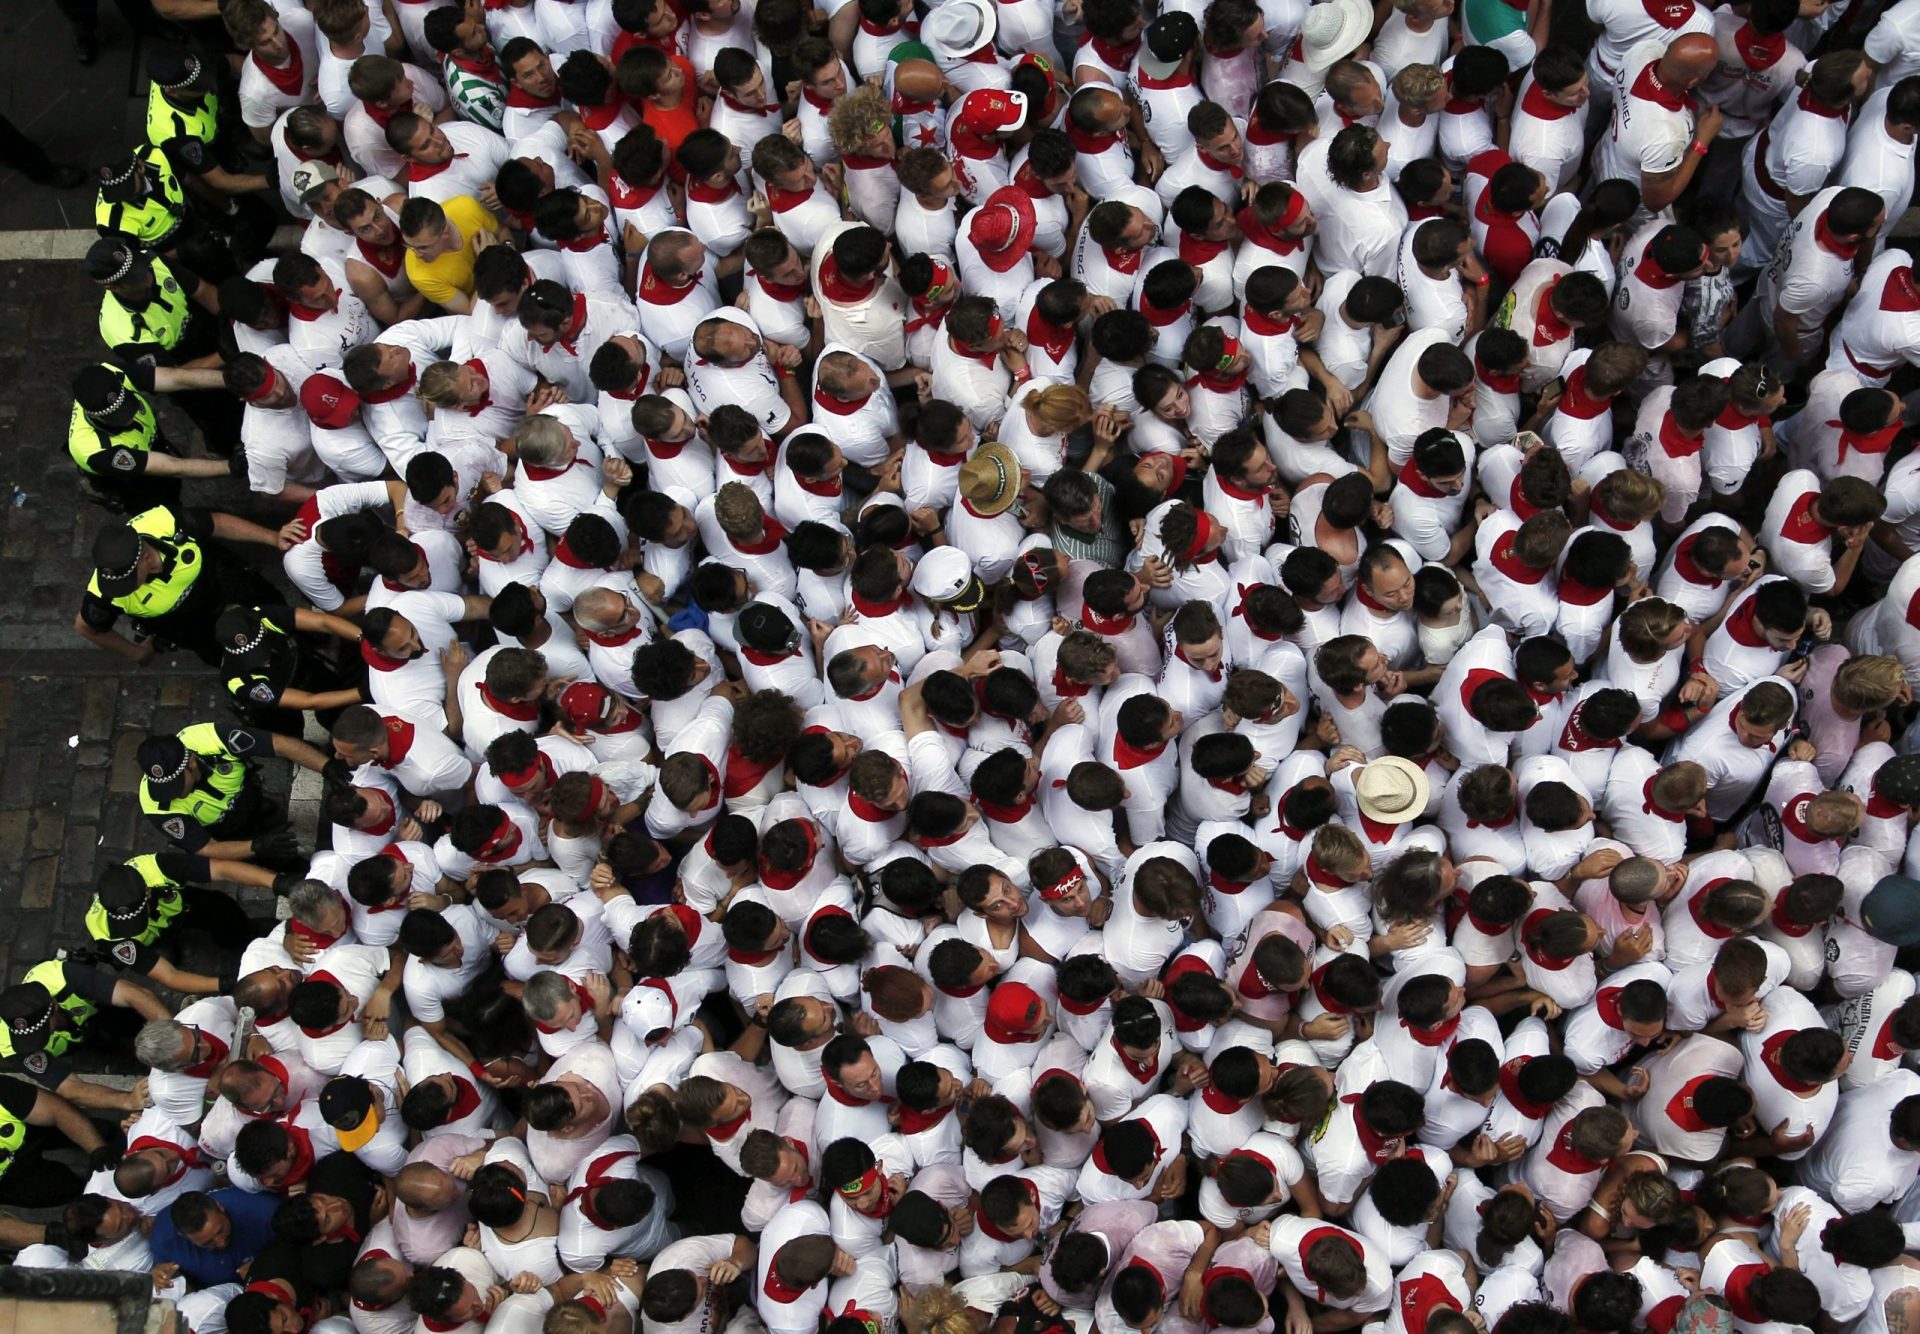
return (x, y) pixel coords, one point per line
(1869, 683)
(572, 1318)
(1059, 408)
(938, 1310)
(853, 118)
(1340, 850)
(1834, 814)
(1415, 85)
(440, 385)
(738, 511)
(1645, 625)
(542, 441)
(1629, 496)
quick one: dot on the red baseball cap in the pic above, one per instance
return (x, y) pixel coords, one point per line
(990, 110)
(1003, 227)
(584, 704)
(328, 401)
(1012, 1006)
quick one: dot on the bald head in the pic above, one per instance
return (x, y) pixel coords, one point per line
(1690, 59)
(427, 1188)
(598, 608)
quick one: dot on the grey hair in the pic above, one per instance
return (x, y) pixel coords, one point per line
(309, 899)
(544, 994)
(157, 1045)
(595, 609)
(542, 440)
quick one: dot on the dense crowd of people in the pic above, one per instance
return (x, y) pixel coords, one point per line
(1007, 666)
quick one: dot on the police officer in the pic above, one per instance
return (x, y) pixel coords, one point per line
(147, 315)
(60, 1004)
(184, 121)
(161, 568)
(200, 790)
(140, 199)
(28, 1118)
(273, 677)
(117, 444)
(143, 911)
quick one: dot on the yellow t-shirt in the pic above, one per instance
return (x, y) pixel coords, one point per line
(452, 273)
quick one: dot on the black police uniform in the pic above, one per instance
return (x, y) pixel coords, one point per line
(250, 812)
(224, 580)
(259, 678)
(180, 913)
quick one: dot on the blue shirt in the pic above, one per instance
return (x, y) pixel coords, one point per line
(252, 1216)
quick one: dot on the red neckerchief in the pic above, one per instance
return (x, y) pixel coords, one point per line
(206, 1067)
(1318, 874)
(1577, 402)
(1003, 813)
(1688, 568)
(1323, 1233)
(1564, 1156)
(866, 606)
(1809, 103)
(394, 391)
(289, 78)
(1547, 961)
(986, 1224)
(1779, 915)
(1117, 56)
(838, 1092)
(381, 115)
(307, 314)
(572, 559)
(1221, 1102)
(1144, 1073)
(1264, 236)
(913, 1123)
(1500, 384)
(726, 1130)
(834, 286)
(656, 291)
(1680, 1107)
(1823, 234)
(1870, 442)
(1320, 993)
(1648, 808)
(1801, 525)
(1770, 1057)
(1582, 595)
(840, 407)
(1505, 819)
(1759, 52)
(1258, 322)
(1054, 339)
(1737, 1289)
(526, 540)
(522, 711)
(1510, 1086)
(614, 639)
(1575, 738)
(867, 811)
(426, 171)
(1655, 89)
(747, 468)
(520, 97)
(1196, 250)
(1510, 565)
(1412, 478)
(772, 533)
(1434, 1036)
(783, 292)
(1218, 383)
(774, 878)
(1379, 1148)
(1126, 755)
(1676, 442)
(781, 201)
(482, 65)
(1541, 107)
(479, 367)
(1236, 171)
(1089, 142)
(704, 192)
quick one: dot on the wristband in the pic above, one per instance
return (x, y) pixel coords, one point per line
(1483, 280)
(479, 1070)
(1698, 147)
